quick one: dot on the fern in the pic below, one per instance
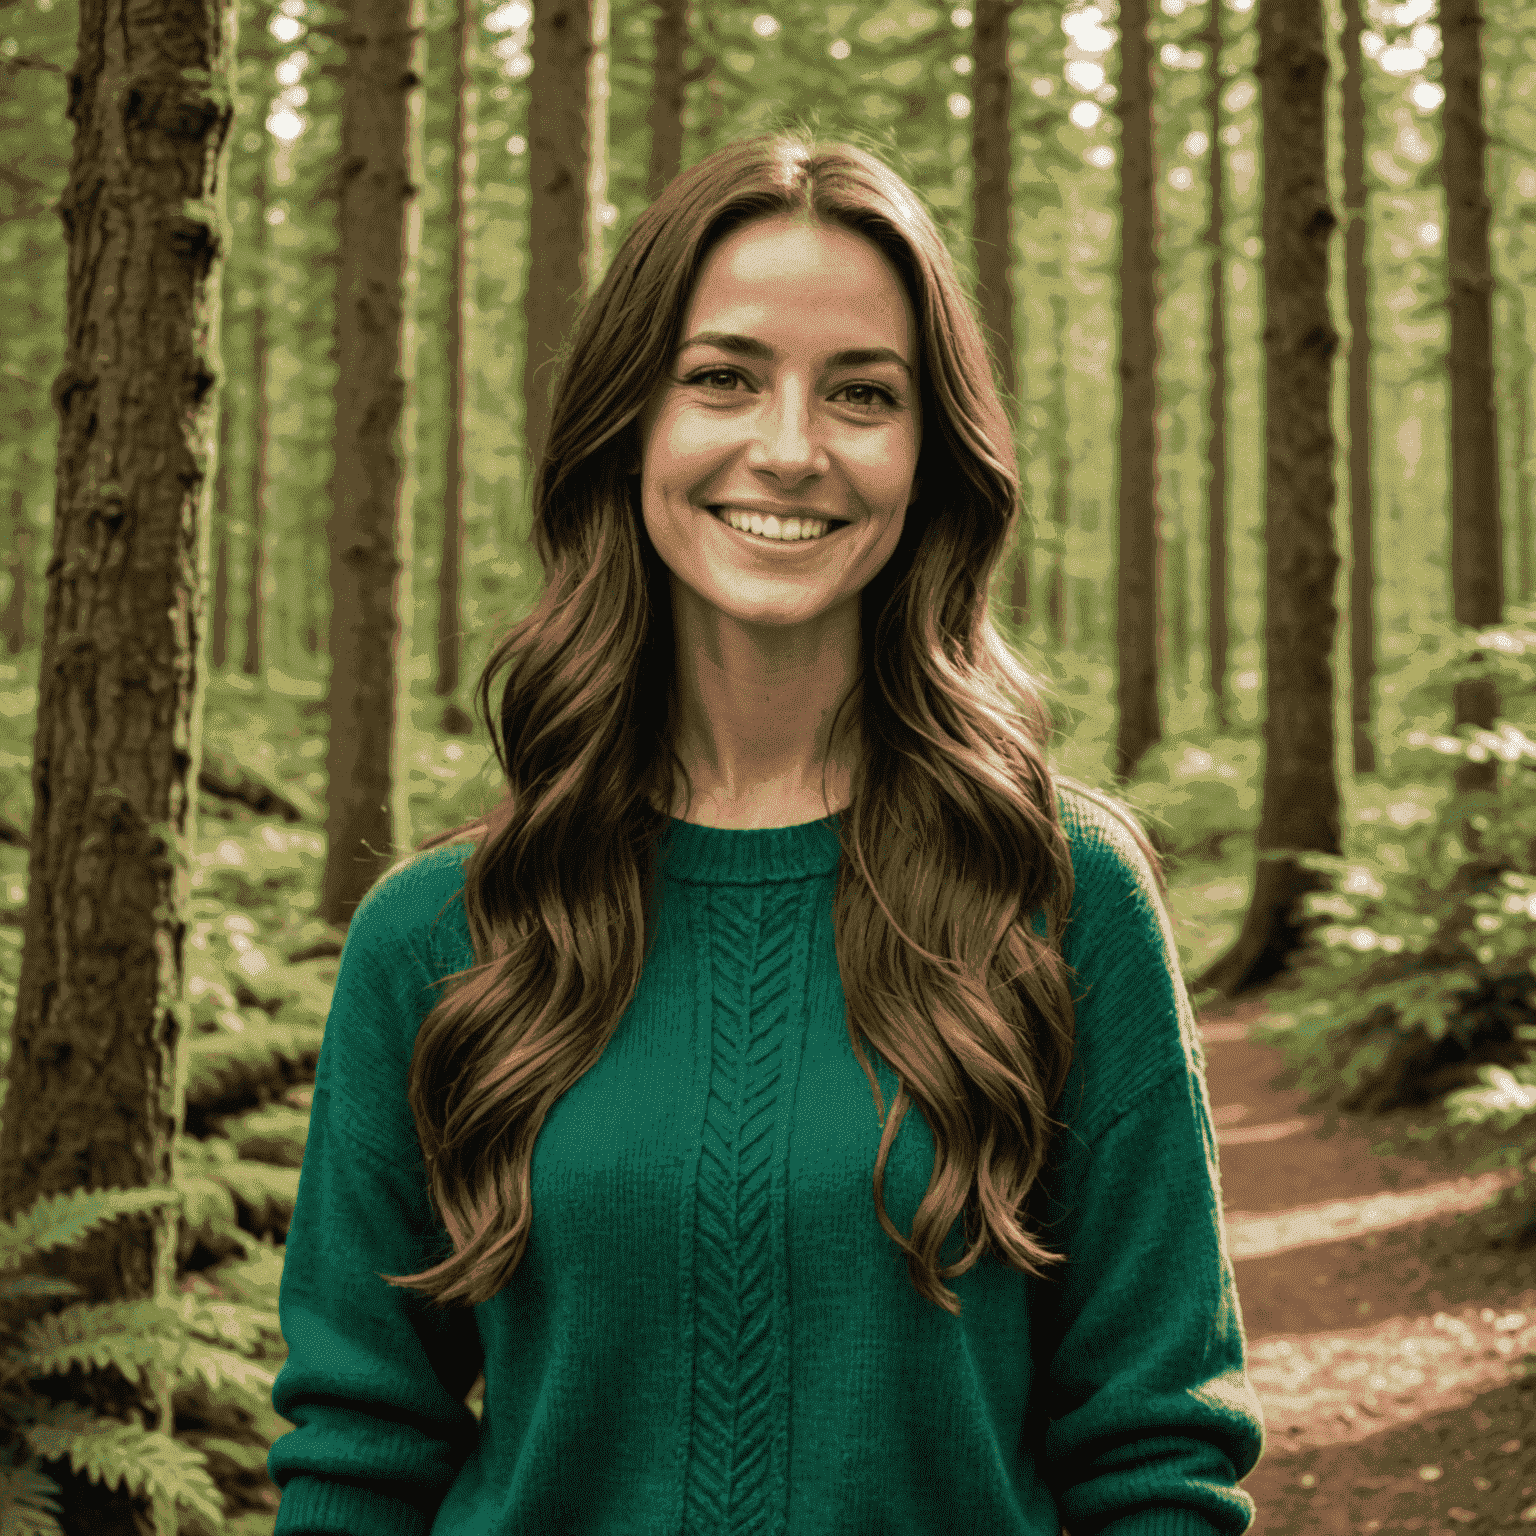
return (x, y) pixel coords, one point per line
(61, 1221)
(142, 1460)
(189, 1340)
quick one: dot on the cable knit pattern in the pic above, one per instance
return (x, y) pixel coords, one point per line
(710, 1334)
(749, 948)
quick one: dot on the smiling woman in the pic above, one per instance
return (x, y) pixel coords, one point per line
(773, 491)
(595, 1080)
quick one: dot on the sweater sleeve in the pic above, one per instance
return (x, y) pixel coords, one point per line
(1152, 1421)
(376, 1376)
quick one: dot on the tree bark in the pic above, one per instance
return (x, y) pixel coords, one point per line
(560, 170)
(1019, 582)
(18, 562)
(1219, 472)
(1177, 605)
(664, 118)
(597, 151)
(1061, 466)
(223, 511)
(455, 721)
(1523, 457)
(1136, 628)
(370, 526)
(253, 663)
(1520, 393)
(1301, 789)
(1477, 541)
(711, 122)
(991, 192)
(92, 1090)
(1362, 495)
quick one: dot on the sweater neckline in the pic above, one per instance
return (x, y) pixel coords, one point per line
(749, 855)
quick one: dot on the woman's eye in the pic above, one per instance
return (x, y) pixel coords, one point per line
(714, 373)
(878, 396)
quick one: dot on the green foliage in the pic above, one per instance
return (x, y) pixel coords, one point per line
(207, 1349)
(139, 1338)
(1420, 991)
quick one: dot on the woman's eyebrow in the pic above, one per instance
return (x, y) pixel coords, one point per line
(750, 346)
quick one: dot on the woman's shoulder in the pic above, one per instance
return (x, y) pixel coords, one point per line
(1098, 820)
(411, 895)
(1113, 859)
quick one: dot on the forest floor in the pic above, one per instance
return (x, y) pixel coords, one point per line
(1384, 1336)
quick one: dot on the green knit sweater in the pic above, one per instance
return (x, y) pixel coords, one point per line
(709, 1331)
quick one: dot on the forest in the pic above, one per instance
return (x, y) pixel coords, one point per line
(287, 281)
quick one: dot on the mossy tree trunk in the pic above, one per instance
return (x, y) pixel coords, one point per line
(92, 1097)
(1300, 810)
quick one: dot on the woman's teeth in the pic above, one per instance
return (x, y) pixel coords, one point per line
(770, 527)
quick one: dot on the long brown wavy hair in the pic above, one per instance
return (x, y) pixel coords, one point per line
(952, 838)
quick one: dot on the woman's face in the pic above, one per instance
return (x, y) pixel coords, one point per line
(767, 410)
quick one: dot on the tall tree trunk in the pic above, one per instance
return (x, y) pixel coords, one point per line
(1219, 472)
(664, 118)
(223, 511)
(1177, 606)
(1301, 787)
(1019, 582)
(597, 150)
(370, 527)
(253, 663)
(1088, 590)
(560, 233)
(450, 613)
(991, 191)
(1477, 540)
(1362, 495)
(92, 1087)
(1523, 455)
(712, 123)
(1061, 466)
(1517, 329)
(18, 562)
(992, 235)
(1136, 628)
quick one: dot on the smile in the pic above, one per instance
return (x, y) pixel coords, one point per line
(771, 531)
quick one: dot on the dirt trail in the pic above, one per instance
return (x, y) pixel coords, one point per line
(1385, 1348)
